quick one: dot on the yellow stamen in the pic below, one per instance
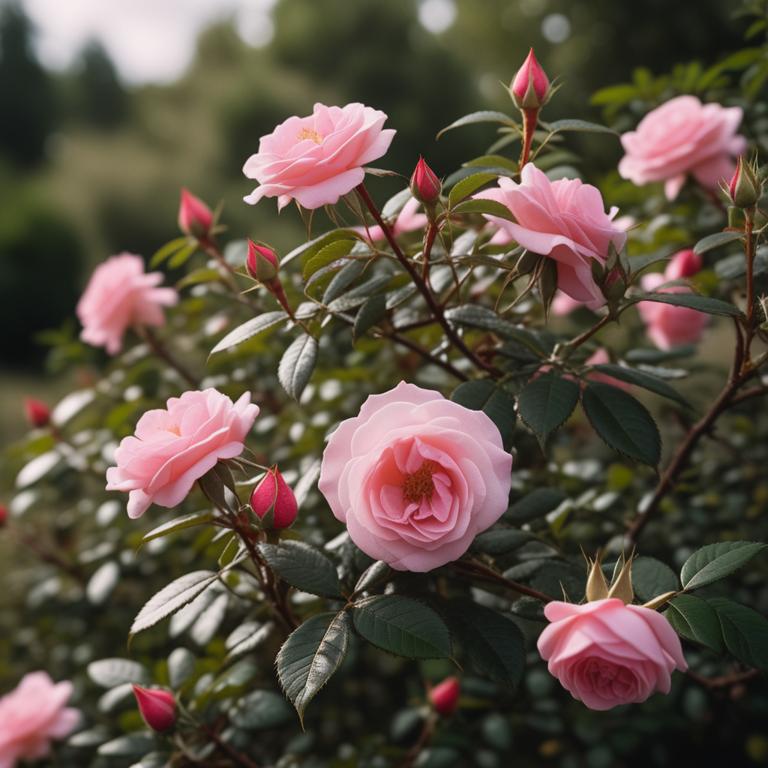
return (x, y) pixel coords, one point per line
(419, 485)
(308, 133)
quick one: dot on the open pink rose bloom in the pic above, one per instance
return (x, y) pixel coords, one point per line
(315, 160)
(606, 653)
(175, 446)
(563, 219)
(33, 715)
(683, 137)
(120, 294)
(416, 477)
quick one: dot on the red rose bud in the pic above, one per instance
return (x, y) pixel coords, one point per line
(683, 264)
(3, 515)
(157, 707)
(530, 88)
(37, 412)
(744, 188)
(195, 217)
(445, 696)
(262, 263)
(425, 186)
(273, 494)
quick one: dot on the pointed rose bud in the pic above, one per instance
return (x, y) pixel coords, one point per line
(744, 188)
(273, 494)
(262, 263)
(683, 264)
(37, 412)
(195, 217)
(445, 696)
(3, 515)
(425, 186)
(530, 88)
(157, 707)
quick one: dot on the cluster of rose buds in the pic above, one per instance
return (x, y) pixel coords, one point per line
(273, 495)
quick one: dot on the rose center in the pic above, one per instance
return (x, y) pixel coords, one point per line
(175, 429)
(419, 484)
(308, 133)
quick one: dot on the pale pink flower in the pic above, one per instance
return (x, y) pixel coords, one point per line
(317, 159)
(175, 446)
(668, 326)
(408, 220)
(119, 295)
(563, 219)
(33, 715)
(606, 653)
(416, 477)
(683, 137)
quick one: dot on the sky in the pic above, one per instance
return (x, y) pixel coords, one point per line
(154, 40)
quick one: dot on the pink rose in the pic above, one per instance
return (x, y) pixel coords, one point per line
(683, 137)
(565, 220)
(33, 715)
(606, 653)
(317, 159)
(668, 326)
(416, 477)
(120, 295)
(407, 221)
(173, 448)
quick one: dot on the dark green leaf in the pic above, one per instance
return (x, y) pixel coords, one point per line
(537, 503)
(468, 186)
(496, 402)
(249, 329)
(297, 364)
(261, 710)
(745, 632)
(327, 255)
(178, 524)
(484, 116)
(370, 313)
(310, 656)
(309, 249)
(403, 626)
(342, 280)
(485, 207)
(109, 673)
(711, 242)
(578, 125)
(546, 402)
(651, 578)
(181, 665)
(641, 379)
(695, 620)
(302, 566)
(476, 316)
(692, 301)
(500, 541)
(622, 422)
(716, 561)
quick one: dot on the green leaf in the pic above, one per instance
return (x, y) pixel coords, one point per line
(297, 364)
(178, 524)
(167, 250)
(614, 94)
(651, 578)
(476, 316)
(496, 402)
(622, 422)
(198, 276)
(642, 379)
(261, 710)
(181, 665)
(109, 673)
(172, 597)
(546, 402)
(342, 280)
(493, 644)
(745, 632)
(309, 249)
(302, 566)
(310, 656)
(695, 620)
(560, 126)
(485, 207)
(537, 503)
(130, 744)
(327, 255)
(370, 313)
(181, 257)
(484, 116)
(249, 329)
(500, 541)
(468, 186)
(692, 301)
(716, 561)
(403, 626)
(710, 242)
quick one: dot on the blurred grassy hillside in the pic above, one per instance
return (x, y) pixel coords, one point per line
(89, 167)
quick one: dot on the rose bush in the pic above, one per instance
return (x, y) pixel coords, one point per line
(364, 573)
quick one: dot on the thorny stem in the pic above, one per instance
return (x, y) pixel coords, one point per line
(429, 241)
(160, 350)
(228, 749)
(530, 117)
(588, 334)
(434, 307)
(749, 253)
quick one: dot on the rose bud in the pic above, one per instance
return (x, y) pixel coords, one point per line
(744, 188)
(3, 515)
(445, 696)
(37, 412)
(683, 264)
(272, 494)
(262, 263)
(157, 707)
(425, 186)
(195, 217)
(530, 88)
